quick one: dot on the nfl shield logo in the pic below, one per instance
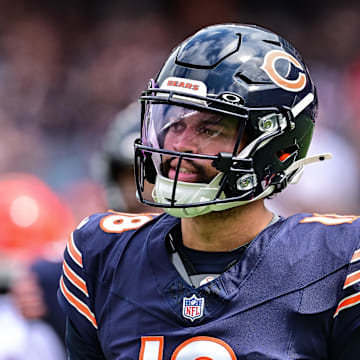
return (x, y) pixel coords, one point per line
(193, 307)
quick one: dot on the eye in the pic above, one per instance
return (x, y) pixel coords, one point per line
(209, 130)
(177, 126)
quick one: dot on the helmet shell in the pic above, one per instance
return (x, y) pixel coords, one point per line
(229, 58)
(266, 75)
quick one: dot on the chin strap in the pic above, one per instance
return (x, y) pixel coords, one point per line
(293, 173)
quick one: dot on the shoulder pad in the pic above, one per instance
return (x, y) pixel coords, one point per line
(91, 257)
(104, 234)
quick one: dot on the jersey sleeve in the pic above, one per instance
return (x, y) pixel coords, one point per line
(346, 330)
(90, 261)
(78, 347)
(75, 293)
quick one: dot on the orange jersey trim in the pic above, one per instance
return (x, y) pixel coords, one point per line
(352, 279)
(330, 219)
(348, 302)
(74, 278)
(77, 303)
(356, 256)
(73, 251)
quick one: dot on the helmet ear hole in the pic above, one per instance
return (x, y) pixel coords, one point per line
(287, 153)
(283, 156)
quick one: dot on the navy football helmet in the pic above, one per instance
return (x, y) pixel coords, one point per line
(227, 121)
(115, 160)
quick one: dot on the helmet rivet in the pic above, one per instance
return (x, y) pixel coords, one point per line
(267, 123)
(246, 182)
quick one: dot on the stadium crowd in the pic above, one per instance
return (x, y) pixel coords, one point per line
(66, 69)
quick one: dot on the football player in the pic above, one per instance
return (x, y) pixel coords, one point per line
(226, 123)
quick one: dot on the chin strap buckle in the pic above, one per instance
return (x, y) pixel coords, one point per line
(279, 182)
(226, 163)
(223, 162)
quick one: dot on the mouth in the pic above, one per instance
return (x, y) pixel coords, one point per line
(185, 174)
(189, 171)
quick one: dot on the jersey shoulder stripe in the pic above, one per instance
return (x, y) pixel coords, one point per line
(74, 278)
(352, 279)
(351, 293)
(81, 307)
(73, 251)
(348, 302)
(73, 285)
(91, 256)
(356, 256)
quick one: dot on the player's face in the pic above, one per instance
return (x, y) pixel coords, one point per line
(197, 132)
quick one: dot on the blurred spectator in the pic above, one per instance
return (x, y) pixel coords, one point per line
(24, 340)
(85, 197)
(34, 224)
(34, 221)
(35, 290)
(113, 166)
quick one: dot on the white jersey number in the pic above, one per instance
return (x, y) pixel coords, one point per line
(119, 222)
(196, 348)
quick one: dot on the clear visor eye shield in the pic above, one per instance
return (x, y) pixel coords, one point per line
(195, 152)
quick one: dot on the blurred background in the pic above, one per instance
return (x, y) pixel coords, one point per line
(67, 69)
(68, 72)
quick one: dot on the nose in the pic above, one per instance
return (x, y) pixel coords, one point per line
(181, 137)
(186, 141)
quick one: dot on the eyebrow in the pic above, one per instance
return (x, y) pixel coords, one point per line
(177, 119)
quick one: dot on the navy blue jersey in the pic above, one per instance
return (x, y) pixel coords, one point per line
(293, 294)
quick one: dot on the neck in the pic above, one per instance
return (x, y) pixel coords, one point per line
(225, 230)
